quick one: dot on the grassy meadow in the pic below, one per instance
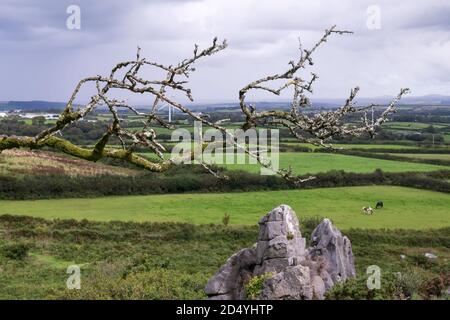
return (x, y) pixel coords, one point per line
(405, 208)
(412, 125)
(311, 163)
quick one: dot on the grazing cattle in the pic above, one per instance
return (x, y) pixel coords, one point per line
(367, 210)
(379, 205)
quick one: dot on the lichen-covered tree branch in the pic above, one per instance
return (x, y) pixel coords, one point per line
(316, 128)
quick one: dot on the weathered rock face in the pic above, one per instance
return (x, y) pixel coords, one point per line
(228, 283)
(294, 283)
(280, 243)
(294, 271)
(328, 242)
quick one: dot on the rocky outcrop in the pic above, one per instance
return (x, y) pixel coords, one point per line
(328, 243)
(228, 283)
(293, 271)
(294, 283)
(280, 243)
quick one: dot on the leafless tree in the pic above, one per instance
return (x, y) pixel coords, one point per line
(126, 76)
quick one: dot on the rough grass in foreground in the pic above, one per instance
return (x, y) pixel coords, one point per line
(125, 260)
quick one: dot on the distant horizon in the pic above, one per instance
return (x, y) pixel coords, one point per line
(269, 100)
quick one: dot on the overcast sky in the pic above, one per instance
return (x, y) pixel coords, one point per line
(40, 58)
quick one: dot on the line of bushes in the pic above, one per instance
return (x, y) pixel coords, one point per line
(403, 150)
(410, 238)
(195, 179)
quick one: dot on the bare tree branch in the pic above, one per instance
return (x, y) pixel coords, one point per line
(316, 128)
(131, 82)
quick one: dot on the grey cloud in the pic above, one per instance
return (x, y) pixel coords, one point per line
(433, 16)
(411, 48)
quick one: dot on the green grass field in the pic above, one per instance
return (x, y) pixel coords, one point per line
(405, 208)
(311, 163)
(412, 125)
(447, 138)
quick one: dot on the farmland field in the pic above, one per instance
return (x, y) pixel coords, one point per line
(405, 208)
(312, 163)
(412, 125)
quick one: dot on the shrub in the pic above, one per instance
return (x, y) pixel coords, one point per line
(356, 289)
(310, 223)
(149, 285)
(16, 251)
(255, 285)
(436, 286)
(225, 219)
(191, 178)
(407, 284)
(421, 261)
